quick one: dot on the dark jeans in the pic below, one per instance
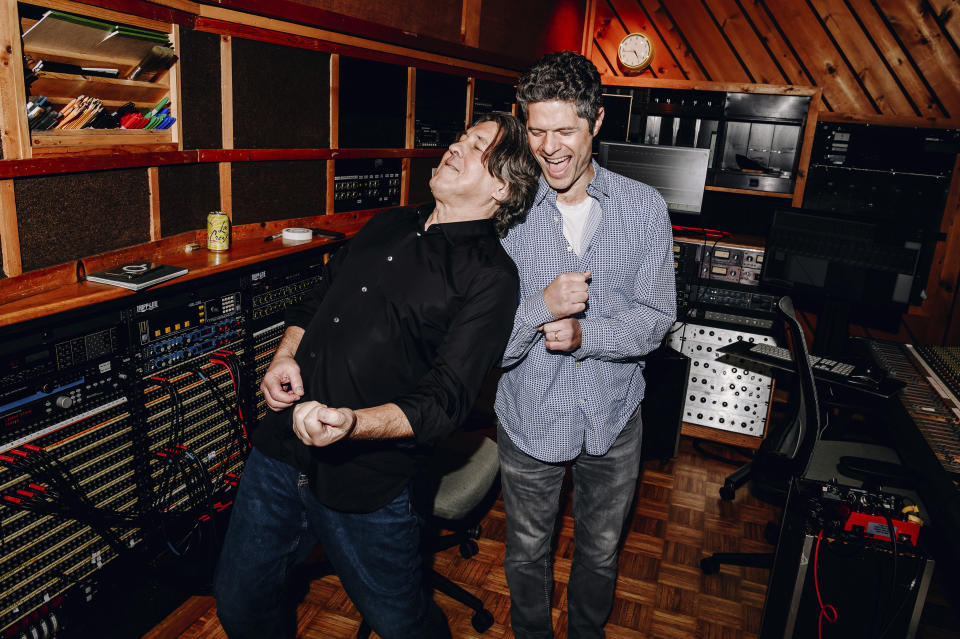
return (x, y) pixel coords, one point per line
(275, 523)
(603, 493)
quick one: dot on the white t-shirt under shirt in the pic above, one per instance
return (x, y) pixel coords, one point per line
(574, 221)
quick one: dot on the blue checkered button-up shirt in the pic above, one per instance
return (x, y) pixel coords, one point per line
(556, 405)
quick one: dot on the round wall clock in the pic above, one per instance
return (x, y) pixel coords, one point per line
(635, 52)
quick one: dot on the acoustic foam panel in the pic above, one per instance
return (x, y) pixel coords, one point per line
(421, 170)
(373, 104)
(264, 191)
(200, 99)
(64, 217)
(281, 96)
(187, 193)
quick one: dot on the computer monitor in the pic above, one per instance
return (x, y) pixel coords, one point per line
(679, 173)
(841, 265)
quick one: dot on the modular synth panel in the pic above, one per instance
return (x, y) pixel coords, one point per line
(124, 432)
(720, 395)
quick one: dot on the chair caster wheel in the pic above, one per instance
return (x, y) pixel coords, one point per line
(709, 565)
(482, 620)
(728, 492)
(469, 548)
(771, 533)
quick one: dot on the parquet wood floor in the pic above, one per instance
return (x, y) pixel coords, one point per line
(661, 593)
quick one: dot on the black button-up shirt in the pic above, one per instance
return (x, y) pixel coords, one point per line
(404, 315)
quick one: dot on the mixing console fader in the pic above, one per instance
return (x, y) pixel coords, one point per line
(67, 465)
(272, 289)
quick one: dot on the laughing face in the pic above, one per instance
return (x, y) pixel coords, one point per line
(462, 175)
(562, 143)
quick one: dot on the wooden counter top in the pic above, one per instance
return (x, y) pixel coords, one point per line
(248, 247)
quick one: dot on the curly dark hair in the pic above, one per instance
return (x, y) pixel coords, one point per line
(508, 158)
(564, 76)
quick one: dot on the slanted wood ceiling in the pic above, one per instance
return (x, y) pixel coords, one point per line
(892, 57)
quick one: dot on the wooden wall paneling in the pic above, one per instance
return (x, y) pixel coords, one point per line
(700, 31)
(775, 44)
(904, 72)
(257, 27)
(928, 47)
(607, 33)
(153, 188)
(334, 128)
(409, 135)
(471, 90)
(684, 54)
(806, 148)
(947, 15)
(745, 42)
(875, 79)
(470, 22)
(820, 57)
(175, 97)
(14, 133)
(589, 24)
(133, 13)
(226, 123)
(634, 19)
(9, 231)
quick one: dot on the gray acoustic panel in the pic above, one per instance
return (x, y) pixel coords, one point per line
(200, 100)
(421, 170)
(65, 217)
(281, 96)
(264, 191)
(373, 104)
(187, 193)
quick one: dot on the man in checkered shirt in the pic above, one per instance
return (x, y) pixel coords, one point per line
(596, 295)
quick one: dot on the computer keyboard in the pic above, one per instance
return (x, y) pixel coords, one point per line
(821, 364)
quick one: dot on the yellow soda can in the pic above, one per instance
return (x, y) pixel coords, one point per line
(218, 231)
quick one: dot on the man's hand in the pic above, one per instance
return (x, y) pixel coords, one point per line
(317, 424)
(562, 335)
(567, 294)
(283, 371)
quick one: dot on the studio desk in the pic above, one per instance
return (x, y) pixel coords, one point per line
(124, 416)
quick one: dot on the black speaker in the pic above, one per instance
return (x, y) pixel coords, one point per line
(666, 373)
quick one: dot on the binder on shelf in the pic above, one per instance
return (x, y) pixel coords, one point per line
(66, 32)
(137, 275)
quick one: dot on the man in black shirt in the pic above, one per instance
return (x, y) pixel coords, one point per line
(384, 360)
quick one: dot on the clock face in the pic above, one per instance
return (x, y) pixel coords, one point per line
(635, 52)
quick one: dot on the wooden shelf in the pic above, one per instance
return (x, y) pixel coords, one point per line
(724, 189)
(63, 87)
(72, 141)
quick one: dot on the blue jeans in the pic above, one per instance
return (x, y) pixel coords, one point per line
(603, 493)
(274, 525)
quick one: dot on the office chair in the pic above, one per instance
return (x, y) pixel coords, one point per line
(458, 488)
(796, 450)
(785, 453)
